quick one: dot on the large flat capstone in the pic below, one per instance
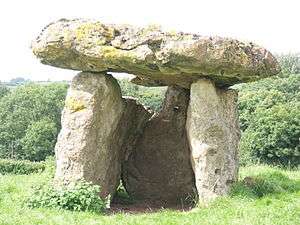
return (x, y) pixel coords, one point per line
(156, 57)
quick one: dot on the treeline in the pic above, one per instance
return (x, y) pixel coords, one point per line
(30, 120)
(150, 97)
(269, 112)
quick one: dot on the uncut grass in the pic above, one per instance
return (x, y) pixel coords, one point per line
(272, 198)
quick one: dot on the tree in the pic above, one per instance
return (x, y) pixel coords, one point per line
(39, 140)
(3, 90)
(150, 97)
(266, 93)
(21, 109)
(290, 63)
(269, 119)
(18, 80)
(273, 135)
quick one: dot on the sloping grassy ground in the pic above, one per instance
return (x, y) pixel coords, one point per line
(271, 196)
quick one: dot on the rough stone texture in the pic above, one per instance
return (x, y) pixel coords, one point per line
(89, 143)
(133, 121)
(159, 167)
(156, 57)
(213, 133)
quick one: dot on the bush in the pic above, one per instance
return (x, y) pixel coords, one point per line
(264, 94)
(9, 166)
(151, 97)
(79, 196)
(39, 140)
(289, 63)
(269, 120)
(273, 135)
(251, 101)
(31, 111)
(3, 90)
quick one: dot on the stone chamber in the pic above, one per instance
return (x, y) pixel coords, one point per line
(187, 152)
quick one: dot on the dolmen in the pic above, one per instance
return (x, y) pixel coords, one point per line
(186, 152)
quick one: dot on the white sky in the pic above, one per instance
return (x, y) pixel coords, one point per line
(274, 24)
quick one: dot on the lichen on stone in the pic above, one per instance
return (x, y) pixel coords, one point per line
(74, 104)
(150, 29)
(88, 31)
(88, 45)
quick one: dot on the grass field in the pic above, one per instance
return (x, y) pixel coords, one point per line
(274, 198)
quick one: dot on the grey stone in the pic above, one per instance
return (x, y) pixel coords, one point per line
(155, 56)
(213, 133)
(132, 125)
(89, 144)
(159, 168)
(99, 129)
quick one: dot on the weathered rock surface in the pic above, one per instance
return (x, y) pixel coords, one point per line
(213, 133)
(89, 144)
(159, 166)
(154, 56)
(132, 124)
(99, 130)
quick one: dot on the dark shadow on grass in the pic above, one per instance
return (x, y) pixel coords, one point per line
(123, 203)
(268, 183)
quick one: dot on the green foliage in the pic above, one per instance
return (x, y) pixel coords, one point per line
(10, 166)
(269, 182)
(151, 97)
(250, 101)
(122, 197)
(50, 166)
(288, 85)
(3, 90)
(290, 63)
(270, 120)
(39, 140)
(273, 135)
(31, 111)
(79, 196)
(266, 206)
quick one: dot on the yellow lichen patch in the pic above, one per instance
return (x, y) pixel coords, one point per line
(111, 53)
(74, 104)
(94, 31)
(149, 29)
(172, 33)
(153, 27)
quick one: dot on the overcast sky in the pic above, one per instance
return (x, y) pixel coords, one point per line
(273, 24)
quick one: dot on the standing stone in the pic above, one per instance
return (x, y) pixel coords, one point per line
(133, 121)
(213, 133)
(159, 168)
(89, 143)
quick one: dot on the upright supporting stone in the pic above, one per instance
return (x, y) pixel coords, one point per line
(158, 169)
(89, 143)
(213, 133)
(133, 121)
